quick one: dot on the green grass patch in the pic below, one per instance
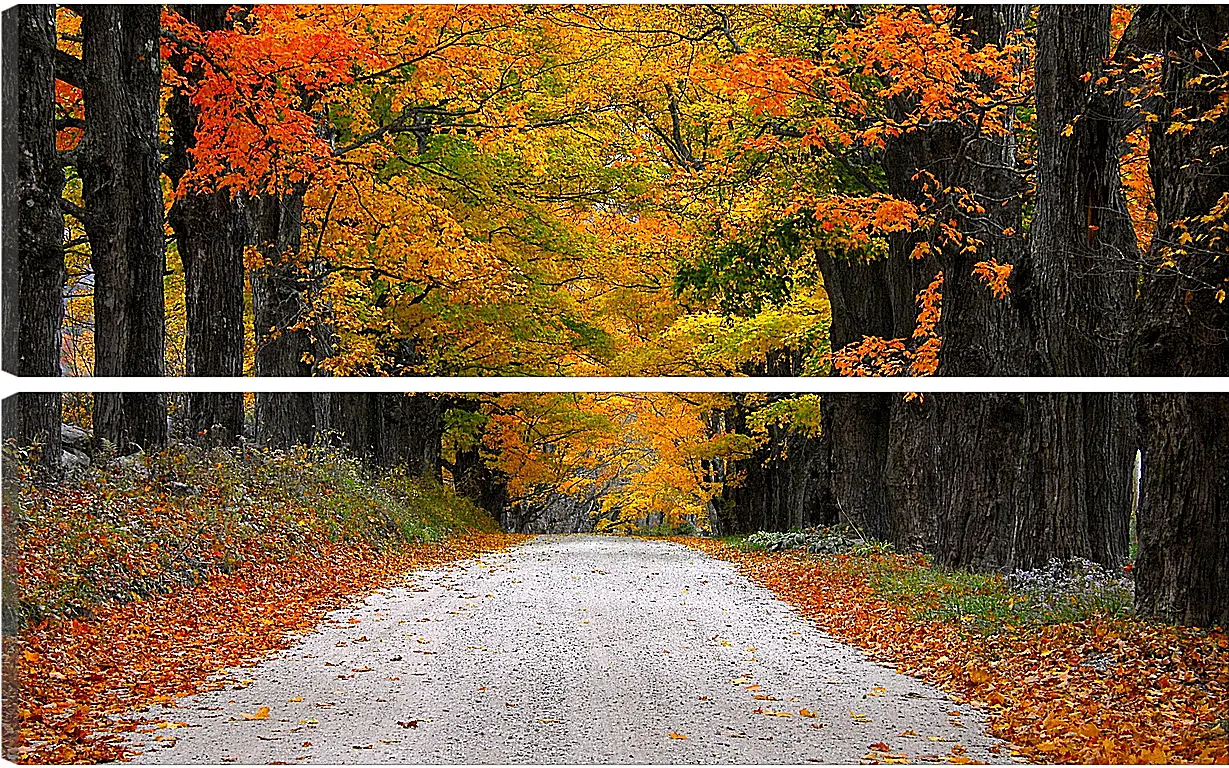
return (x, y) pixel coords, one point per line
(1070, 591)
(992, 602)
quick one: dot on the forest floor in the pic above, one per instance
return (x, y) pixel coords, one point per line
(1093, 688)
(576, 649)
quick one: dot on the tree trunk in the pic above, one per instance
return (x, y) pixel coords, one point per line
(10, 137)
(474, 479)
(855, 424)
(389, 430)
(210, 233)
(420, 417)
(784, 485)
(1060, 485)
(350, 416)
(283, 419)
(119, 166)
(1180, 328)
(1183, 518)
(37, 248)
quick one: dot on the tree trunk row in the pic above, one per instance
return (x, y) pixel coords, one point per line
(1007, 481)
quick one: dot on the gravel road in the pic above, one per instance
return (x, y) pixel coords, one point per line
(569, 649)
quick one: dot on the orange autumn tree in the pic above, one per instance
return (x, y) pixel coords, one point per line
(888, 81)
(639, 458)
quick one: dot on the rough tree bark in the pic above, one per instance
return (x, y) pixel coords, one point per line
(34, 248)
(1081, 276)
(1181, 329)
(283, 419)
(856, 424)
(390, 430)
(1048, 475)
(210, 234)
(1183, 516)
(119, 167)
(418, 423)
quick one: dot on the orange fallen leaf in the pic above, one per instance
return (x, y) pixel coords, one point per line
(677, 735)
(261, 714)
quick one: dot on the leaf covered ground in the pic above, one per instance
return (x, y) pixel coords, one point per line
(144, 581)
(1103, 689)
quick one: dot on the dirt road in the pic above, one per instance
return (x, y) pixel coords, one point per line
(575, 649)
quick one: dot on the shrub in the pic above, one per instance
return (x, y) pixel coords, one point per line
(833, 540)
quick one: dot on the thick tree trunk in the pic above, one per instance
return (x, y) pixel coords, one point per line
(1081, 276)
(1060, 486)
(210, 233)
(388, 430)
(1180, 328)
(982, 334)
(36, 249)
(857, 425)
(1083, 256)
(119, 166)
(10, 200)
(854, 424)
(283, 419)
(414, 432)
(1183, 520)
(350, 422)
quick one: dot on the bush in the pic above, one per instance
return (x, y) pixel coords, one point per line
(665, 530)
(833, 540)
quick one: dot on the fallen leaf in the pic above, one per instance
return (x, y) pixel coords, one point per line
(260, 714)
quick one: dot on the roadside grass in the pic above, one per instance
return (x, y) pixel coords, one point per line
(1054, 656)
(988, 602)
(666, 530)
(147, 524)
(153, 577)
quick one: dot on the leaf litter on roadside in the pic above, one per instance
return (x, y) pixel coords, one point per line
(80, 677)
(1161, 700)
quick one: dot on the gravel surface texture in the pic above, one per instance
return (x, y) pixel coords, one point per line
(568, 649)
